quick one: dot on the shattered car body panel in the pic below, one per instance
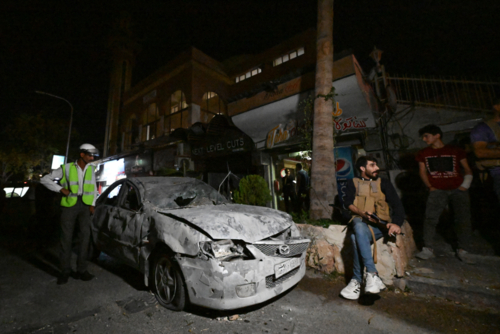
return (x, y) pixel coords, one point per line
(248, 223)
(230, 255)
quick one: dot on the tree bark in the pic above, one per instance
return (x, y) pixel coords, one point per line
(323, 180)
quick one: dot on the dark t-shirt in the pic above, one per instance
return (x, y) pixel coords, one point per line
(303, 181)
(482, 132)
(443, 166)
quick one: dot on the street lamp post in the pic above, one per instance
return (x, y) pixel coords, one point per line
(70, 120)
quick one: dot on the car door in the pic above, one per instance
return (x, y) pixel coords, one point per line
(104, 215)
(126, 227)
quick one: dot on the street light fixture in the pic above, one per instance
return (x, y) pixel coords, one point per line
(70, 120)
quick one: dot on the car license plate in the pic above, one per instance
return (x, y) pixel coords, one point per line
(284, 267)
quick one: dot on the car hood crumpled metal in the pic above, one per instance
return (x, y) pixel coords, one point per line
(234, 221)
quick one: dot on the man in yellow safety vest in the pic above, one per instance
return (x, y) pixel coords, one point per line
(78, 186)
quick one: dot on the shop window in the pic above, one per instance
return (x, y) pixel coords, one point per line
(249, 74)
(15, 192)
(288, 56)
(177, 102)
(212, 105)
(131, 132)
(176, 114)
(150, 123)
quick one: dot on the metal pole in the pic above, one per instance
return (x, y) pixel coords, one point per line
(70, 121)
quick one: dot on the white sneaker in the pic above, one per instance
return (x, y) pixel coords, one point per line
(425, 254)
(373, 283)
(465, 256)
(352, 290)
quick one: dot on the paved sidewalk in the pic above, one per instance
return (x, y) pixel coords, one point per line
(447, 277)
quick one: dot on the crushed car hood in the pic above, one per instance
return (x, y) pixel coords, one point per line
(234, 221)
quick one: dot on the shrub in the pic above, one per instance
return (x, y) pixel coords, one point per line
(303, 218)
(253, 190)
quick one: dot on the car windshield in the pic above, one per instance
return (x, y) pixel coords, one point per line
(182, 195)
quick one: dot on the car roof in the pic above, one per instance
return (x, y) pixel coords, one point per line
(146, 183)
(152, 181)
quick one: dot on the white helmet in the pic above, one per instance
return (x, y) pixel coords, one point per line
(89, 149)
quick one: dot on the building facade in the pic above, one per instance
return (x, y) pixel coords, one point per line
(246, 114)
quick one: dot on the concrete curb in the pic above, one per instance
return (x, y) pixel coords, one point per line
(455, 290)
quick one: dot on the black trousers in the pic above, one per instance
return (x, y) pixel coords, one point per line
(75, 216)
(289, 197)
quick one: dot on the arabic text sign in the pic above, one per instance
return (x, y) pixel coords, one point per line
(342, 124)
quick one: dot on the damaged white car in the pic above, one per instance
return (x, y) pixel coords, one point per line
(193, 245)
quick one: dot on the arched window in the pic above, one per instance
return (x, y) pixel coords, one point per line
(150, 123)
(176, 113)
(212, 105)
(131, 132)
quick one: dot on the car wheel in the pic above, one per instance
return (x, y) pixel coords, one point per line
(169, 287)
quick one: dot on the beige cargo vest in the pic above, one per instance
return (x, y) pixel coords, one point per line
(488, 163)
(369, 197)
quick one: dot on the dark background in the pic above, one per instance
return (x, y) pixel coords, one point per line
(60, 47)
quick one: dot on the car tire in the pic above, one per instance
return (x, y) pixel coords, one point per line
(168, 283)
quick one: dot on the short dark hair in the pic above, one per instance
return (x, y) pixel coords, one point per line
(298, 166)
(363, 161)
(432, 129)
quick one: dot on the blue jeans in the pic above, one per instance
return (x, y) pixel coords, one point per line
(362, 239)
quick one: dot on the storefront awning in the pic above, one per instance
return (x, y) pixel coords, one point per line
(275, 124)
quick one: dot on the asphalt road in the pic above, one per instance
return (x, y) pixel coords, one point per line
(117, 301)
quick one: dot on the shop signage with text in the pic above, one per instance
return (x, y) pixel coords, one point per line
(280, 134)
(342, 124)
(222, 146)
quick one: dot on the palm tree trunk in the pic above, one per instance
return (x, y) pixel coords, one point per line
(323, 180)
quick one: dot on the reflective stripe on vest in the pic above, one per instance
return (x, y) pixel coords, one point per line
(71, 183)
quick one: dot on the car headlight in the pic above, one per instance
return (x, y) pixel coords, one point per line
(221, 249)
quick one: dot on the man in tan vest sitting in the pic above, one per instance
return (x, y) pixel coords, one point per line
(365, 197)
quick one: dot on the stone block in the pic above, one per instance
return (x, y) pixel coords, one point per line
(399, 283)
(385, 262)
(339, 263)
(321, 256)
(335, 235)
(331, 249)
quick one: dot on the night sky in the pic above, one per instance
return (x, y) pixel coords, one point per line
(60, 47)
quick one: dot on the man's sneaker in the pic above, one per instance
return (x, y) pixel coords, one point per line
(425, 254)
(465, 257)
(352, 290)
(373, 283)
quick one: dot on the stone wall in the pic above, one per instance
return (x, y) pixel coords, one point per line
(330, 250)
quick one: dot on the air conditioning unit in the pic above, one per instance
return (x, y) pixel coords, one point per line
(184, 161)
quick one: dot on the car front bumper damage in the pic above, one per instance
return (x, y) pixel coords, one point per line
(239, 283)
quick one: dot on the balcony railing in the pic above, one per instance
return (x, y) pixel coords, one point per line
(450, 93)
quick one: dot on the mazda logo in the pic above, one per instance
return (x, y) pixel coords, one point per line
(284, 249)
